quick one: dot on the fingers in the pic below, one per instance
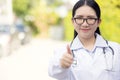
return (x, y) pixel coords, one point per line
(65, 64)
(68, 50)
(67, 58)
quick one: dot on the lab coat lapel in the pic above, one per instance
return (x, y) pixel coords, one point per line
(97, 56)
(99, 61)
(100, 44)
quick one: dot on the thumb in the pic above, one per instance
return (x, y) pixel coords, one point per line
(68, 49)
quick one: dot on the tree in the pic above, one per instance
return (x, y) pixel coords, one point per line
(110, 25)
(21, 7)
(116, 3)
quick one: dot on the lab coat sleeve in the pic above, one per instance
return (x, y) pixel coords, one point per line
(116, 71)
(118, 75)
(116, 48)
(54, 68)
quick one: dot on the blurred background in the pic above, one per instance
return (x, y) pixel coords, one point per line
(31, 29)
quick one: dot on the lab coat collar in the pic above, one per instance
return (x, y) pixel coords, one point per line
(76, 44)
(100, 42)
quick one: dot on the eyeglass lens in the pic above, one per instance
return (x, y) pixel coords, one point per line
(89, 21)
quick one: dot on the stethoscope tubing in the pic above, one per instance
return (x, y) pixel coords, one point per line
(104, 52)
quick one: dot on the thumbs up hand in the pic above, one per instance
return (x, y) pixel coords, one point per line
(67, 58)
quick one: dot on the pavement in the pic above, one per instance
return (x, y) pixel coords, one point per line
(30, 62)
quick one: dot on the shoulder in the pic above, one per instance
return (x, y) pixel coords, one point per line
(113, 44)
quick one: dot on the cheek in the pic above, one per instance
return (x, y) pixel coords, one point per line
(94, 28)
(76, 27)
(74, 24)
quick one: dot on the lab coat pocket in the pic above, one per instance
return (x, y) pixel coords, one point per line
(111, 74)
(112, 71)
(80, 73)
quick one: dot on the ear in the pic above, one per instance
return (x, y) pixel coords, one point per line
(73, 23)
(99, 22)
(72, 20)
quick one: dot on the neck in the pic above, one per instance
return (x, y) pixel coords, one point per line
(88, 43)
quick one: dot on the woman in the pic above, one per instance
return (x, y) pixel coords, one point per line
(90, 56)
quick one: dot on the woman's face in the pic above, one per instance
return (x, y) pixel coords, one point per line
(85, 28)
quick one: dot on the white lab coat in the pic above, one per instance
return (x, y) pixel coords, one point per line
(90, 65)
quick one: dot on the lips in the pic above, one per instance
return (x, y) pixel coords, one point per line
(85, 30)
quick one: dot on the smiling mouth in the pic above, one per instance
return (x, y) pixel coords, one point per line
(85, 30)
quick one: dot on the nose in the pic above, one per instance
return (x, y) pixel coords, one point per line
(85, 24)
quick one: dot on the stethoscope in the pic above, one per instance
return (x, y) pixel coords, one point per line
(108, 67)
(112, 57)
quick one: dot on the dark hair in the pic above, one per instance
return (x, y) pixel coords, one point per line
(93, 4)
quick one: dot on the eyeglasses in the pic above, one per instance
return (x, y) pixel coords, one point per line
(90, 21)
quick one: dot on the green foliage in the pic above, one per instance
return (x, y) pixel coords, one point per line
(54, 3)
(110, 25)
(20, 7)
(53, 18)
(116, 3)
(33, 28)
(44, 16)
(69, 30)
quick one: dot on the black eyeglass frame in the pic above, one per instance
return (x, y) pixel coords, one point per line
(85, 19)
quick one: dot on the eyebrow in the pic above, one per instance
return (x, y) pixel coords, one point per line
(89, 16)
